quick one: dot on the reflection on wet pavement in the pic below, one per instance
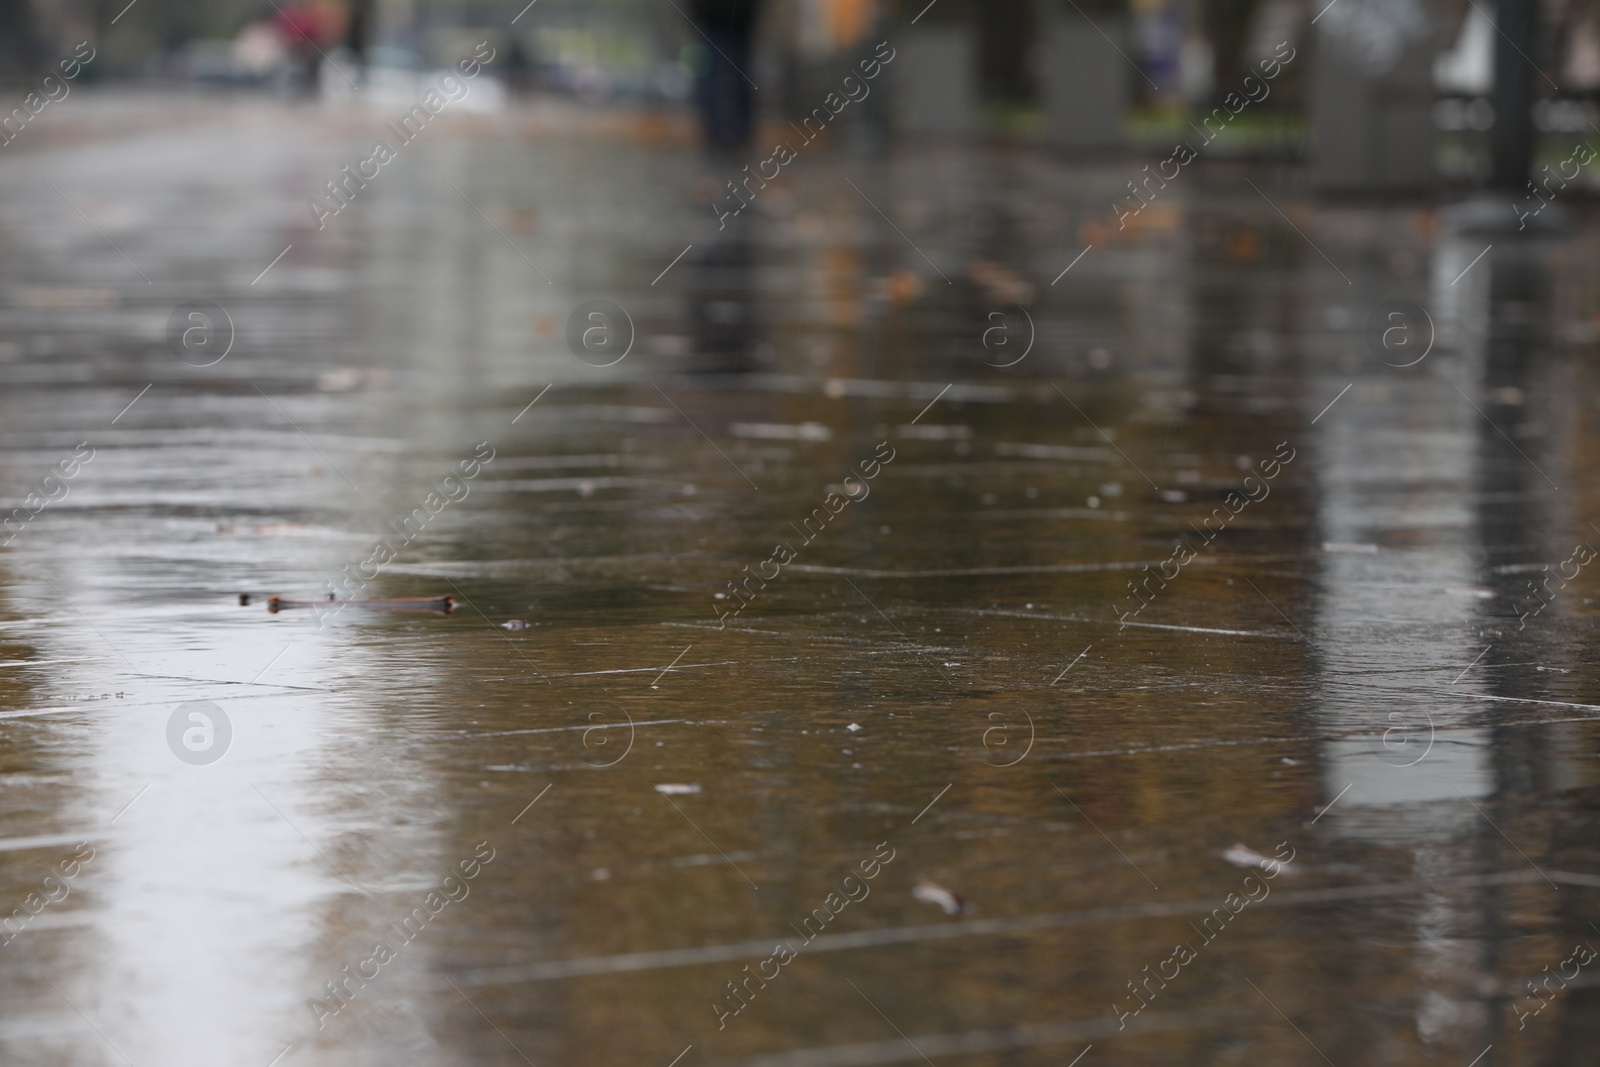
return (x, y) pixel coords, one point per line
(918, 650)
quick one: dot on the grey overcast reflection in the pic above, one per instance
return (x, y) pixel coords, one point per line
(799, 533)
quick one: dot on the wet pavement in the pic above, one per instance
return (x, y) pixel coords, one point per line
(938, 634)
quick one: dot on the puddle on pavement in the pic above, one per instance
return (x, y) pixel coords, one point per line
(956, 624)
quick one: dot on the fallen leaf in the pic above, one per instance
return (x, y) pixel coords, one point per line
(933, 893)
(1243, 856)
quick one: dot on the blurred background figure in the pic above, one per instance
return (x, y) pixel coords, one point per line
(307, 29)
(724, 92)
(258, 52)
(358, 30)
(19, 45)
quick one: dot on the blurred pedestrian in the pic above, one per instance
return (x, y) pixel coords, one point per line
(358, 30)
(20, 51)
(306, 28)
(724, 92)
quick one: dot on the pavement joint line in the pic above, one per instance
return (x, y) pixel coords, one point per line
(965, 1044)
(1275, 607)
(938, 660)
(629, 670)
(501, 632)
(568, 729)
(669, 666)
(1355, 734)
(38, 841)
(659, 959)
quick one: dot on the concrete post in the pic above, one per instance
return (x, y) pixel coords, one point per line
(1511, 138)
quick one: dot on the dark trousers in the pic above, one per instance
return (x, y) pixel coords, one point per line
(727, 106)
